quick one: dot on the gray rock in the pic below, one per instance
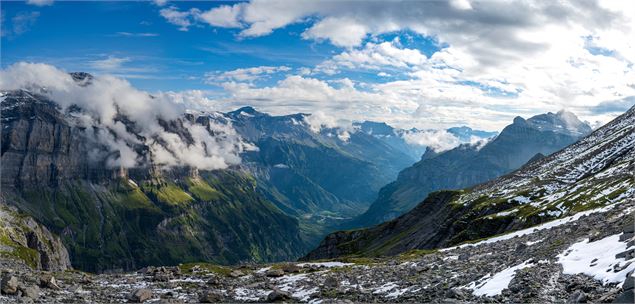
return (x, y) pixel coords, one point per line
(278, 295)
(236, 274)
(48, 281)
(32, 292)
(331, 282)
(578, 297)
(208, 296)
(140, 295)
(9, 284)
(274, 273)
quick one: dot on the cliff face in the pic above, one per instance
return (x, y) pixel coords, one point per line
(111, 218)
(22, 238)
(38, 146)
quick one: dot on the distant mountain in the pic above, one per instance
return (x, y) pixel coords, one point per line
(397, 137)
(594, 172)
(321, 176)
(467, 134)
(468, 165)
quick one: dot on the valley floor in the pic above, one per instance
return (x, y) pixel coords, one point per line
(588, 257)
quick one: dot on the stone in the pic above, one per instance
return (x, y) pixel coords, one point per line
(236, 274)
(278, 295)
(32, 292)
(213, 281)
(274, 273)
(48, 281)
(455, 293)
(208, 296)
(578, 297)
(331, 282)
(140, 295)
(291, 268)
(9, 284)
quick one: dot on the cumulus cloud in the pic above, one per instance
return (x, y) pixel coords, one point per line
(223, 16)
(496, 58)
(156, 122)
(438, 140)
(183, 19)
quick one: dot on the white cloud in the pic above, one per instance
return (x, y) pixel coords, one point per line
(160, 2)
(339, 31)
(223, 16)
(211, 147)
(20, 23)
(244, 74)
(110, 64)
(438, 140)
(375, 56)
(39, 2)
(129, 34)
(183, 19)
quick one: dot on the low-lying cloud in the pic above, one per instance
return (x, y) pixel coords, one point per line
(127, 121)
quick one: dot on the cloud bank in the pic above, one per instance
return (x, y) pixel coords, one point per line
(494, 59)
(127, 121)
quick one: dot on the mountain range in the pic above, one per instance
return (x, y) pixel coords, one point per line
(471, 164)
(295, 181)
(594, 172)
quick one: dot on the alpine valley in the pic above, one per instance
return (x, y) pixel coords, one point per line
(524, 202)
(317, 151)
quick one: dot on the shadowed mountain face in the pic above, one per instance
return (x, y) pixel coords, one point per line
(125, 219)
(469, 165)
(591, 173)
(311, 172)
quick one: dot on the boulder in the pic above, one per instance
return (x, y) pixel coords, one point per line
(140, 295)
(278, 295)
(48, 281)
(208, 296)
(31, 292)
(9, 285)
(274, 273)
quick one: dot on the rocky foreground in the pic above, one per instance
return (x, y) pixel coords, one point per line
(587, 257)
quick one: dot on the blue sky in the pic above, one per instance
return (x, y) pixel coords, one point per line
(412, 64)
(155, 54)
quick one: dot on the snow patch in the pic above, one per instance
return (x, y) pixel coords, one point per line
(597, 259)
(494, 285)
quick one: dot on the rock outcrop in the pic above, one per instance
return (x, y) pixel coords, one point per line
(23, 238)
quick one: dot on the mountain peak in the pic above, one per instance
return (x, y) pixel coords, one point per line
(82, 78)
(248, 111)
(561, 122)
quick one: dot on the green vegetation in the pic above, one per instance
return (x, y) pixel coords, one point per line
(213, 268)
(202, 190)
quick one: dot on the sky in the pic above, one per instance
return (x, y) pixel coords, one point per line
(424, 64)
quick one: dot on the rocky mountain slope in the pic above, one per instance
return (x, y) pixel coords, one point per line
(587, 257)
(468, 165)
(309, 171)
(594, 172)
(112, 218)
